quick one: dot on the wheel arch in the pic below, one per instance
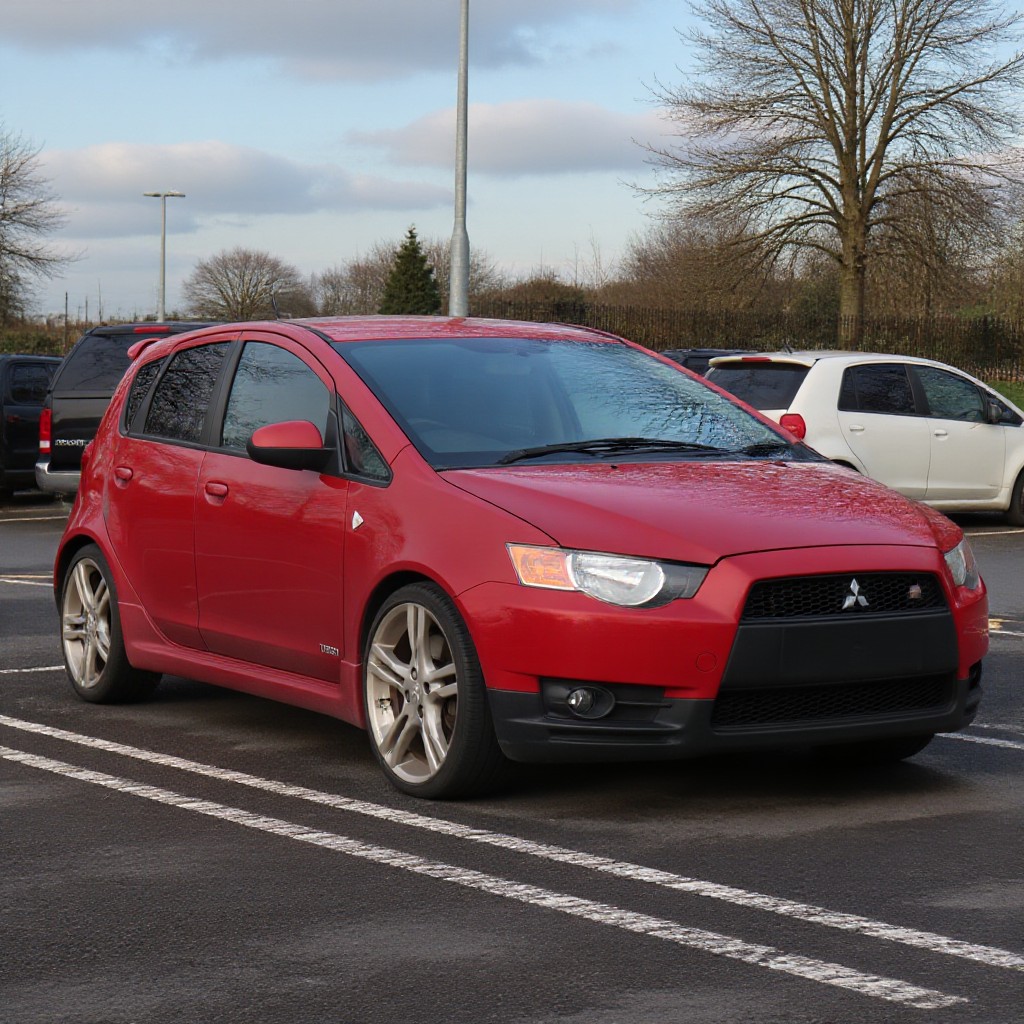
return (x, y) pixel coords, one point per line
(381, 592)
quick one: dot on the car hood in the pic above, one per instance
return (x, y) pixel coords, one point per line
(704, 511)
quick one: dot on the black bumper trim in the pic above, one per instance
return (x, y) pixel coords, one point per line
(526, 731)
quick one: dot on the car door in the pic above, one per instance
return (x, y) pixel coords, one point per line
(24, 391)
(270, 541)
(154, 469)
(967, 452)
(878, 416)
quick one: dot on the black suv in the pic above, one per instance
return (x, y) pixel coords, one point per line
(24, 381)
(80, 394)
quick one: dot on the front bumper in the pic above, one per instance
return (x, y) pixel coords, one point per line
(538, 727)
(698, 675)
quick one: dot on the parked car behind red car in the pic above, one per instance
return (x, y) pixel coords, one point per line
(483, 540)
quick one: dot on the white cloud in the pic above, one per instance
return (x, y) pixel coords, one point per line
(363, 39)
(528, 137)
(102, 187)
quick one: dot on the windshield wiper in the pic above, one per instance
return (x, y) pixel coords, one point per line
(766, 448)
(609, 446)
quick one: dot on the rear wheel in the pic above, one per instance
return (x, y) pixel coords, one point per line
(94, 653)
(875, 752)
(426, 704)
(1015, 513)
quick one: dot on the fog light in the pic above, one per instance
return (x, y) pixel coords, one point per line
(589, 702)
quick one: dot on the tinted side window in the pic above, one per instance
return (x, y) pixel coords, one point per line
(140, 388)
(762, 385)
(179, 404)
(272, 386)
(950, 397)
(28, 383)
(883, 388)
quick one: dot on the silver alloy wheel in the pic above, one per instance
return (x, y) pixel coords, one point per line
(86, 624)
(411, 692)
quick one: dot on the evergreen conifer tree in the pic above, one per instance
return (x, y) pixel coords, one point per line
(411, 287)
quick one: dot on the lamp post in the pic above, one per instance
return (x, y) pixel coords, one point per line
(161, 313)
(458, 289)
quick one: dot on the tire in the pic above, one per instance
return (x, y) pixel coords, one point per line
(874, 752)
(1015, 513)
(94, 653)
(426, 704)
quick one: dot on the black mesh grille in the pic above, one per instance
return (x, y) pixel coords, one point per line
(878, 593)
(746, 708)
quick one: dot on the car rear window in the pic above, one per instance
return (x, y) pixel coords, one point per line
(763, 385)
(96, 364)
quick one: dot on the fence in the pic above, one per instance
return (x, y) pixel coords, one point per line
(988, 346)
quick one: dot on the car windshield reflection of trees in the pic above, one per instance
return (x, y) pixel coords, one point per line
(471, 402)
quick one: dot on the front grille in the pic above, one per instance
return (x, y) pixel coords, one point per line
(877, 593)
(744, 709)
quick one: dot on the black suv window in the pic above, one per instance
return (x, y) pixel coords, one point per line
(97, 363)
(180, 401)
(877, 387)
(764, 385)
(272, 386)
(28, 383)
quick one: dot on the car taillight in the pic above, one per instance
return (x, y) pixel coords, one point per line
(794, 423)
(45, 431)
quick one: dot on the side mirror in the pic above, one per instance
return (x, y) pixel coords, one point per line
(295, 444)
(993, 412)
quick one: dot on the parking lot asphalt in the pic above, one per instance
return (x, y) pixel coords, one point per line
(210, 856)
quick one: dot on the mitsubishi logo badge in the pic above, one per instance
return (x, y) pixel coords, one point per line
(854, 599)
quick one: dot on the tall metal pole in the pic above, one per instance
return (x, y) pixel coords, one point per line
(161, 312)
(458, 292)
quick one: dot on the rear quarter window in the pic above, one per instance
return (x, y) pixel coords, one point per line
(762, 385)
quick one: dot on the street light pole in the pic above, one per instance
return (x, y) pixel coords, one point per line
(458, 291)
(161, 313)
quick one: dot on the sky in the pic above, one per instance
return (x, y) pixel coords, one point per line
(316, 129)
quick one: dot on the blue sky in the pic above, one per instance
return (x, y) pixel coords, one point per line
(316, 128)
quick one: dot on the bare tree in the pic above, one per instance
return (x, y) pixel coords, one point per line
(28, 214)
(245, 284)
(356, 287)
(814, 120)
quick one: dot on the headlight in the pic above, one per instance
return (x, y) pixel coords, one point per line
(962, 566)
(616, 579)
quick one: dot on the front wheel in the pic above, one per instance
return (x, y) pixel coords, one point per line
(94, 653)
(426, 704)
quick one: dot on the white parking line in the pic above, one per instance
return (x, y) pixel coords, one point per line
(988, 955)
(32, 519)
(873, 985)
(23, 583)
(986, 741)
(20, 671)
(991, 533)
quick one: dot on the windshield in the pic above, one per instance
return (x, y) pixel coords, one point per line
(487, 401)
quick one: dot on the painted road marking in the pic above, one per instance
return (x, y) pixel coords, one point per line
(988, 955)
(33, 519)
(23, 583)
(19, 671)
(988, 741)
(873, 985)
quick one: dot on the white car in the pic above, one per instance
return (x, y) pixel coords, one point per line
(923, 428)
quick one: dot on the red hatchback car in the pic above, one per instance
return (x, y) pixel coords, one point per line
(483, 540)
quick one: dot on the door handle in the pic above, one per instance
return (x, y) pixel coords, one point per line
(941, 433)
(216, 489)
(856, 428)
